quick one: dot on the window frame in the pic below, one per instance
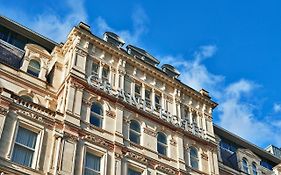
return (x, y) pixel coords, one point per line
(245, 165)
(135, 132)
(100, 117)
(164, 145)
(33, 127)
(97, 151)
(31, 71)
(254, 170)
(194, 158)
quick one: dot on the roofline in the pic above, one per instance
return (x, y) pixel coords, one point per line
(26, 29)
(213, 104)
(246, 144)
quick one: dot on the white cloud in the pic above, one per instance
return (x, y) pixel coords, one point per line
(236, 113)
(57, 27)
(139, 19)
(277, 107)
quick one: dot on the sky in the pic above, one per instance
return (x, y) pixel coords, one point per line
(230, 48)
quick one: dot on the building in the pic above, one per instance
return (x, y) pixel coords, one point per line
(89, 106)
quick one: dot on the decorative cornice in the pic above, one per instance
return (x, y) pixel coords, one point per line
(4, 111)
(99, 141)
(138, 157)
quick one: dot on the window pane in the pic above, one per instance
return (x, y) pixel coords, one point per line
(133, 172)
(161, 149)
(245, 165)
(95, 68)
(194, 163)
(22, 155)
(134, 125)
(97, 108)
(33, 68)
(161, 138)
(26, 137)
(134, 137)
(93, 162)
(193, 152)
(95, 120)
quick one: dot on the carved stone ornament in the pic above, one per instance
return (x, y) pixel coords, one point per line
(136, 157)
(110, 114)
(70, 137)
(149, 131)
(173, 142)
(3, 111)
(165, 169)
(29, 114)
(204, 156)
(99, 141)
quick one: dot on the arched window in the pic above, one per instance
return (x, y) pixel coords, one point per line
(96, 116)
(34, 68)
(254, 168)
(245, 165)
(135, 132)
(194, 160)
(161, 143)
(27, 98)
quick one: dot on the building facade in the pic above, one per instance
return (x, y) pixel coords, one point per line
(92, 106)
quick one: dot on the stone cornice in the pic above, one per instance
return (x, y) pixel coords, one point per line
(138, 63)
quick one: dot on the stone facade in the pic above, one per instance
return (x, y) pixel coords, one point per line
(91, 107)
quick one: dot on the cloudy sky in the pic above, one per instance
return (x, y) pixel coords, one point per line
(230, 48)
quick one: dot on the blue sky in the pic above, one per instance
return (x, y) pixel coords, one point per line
(230, 48)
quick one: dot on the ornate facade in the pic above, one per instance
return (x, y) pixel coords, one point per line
(89, 106)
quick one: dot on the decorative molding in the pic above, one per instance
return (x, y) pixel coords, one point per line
(136, 157)
(111, 114)
(204, 156)
(165, 169)
(4, 111)
(70, 137)
(149, 131)
(173, 142)
(99, 141)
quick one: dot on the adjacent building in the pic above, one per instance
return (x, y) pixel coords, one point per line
(93, 106)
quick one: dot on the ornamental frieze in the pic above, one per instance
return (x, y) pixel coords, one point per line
(111, 114)
(139, 158)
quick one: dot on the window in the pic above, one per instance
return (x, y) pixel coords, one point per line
(157, 102)
(245, 165)
(34, 68)
(92, 165)
(24, 147)
(95, 69)
(27, 98)
(133, 172)
(137, 91)
(96, 116)
(135, 132)
(194, 161)
(105, 73)
(148, 97)
(162, 143)
(254, 168)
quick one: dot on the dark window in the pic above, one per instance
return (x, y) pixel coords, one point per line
(194, 161)
(27, 98)
(135, 132)
(162, 143)
(96, 116)
(133, 172)
(254, 168)
(92, 165)
(34, 68)
(245, 165)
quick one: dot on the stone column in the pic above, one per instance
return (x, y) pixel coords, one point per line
(78, 169)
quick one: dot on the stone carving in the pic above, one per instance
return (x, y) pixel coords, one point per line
(3, 111)
(165, 169)
(110, 114)
(149, 131)
(137, 157)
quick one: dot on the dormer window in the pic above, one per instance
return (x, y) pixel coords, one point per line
(34, 68)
